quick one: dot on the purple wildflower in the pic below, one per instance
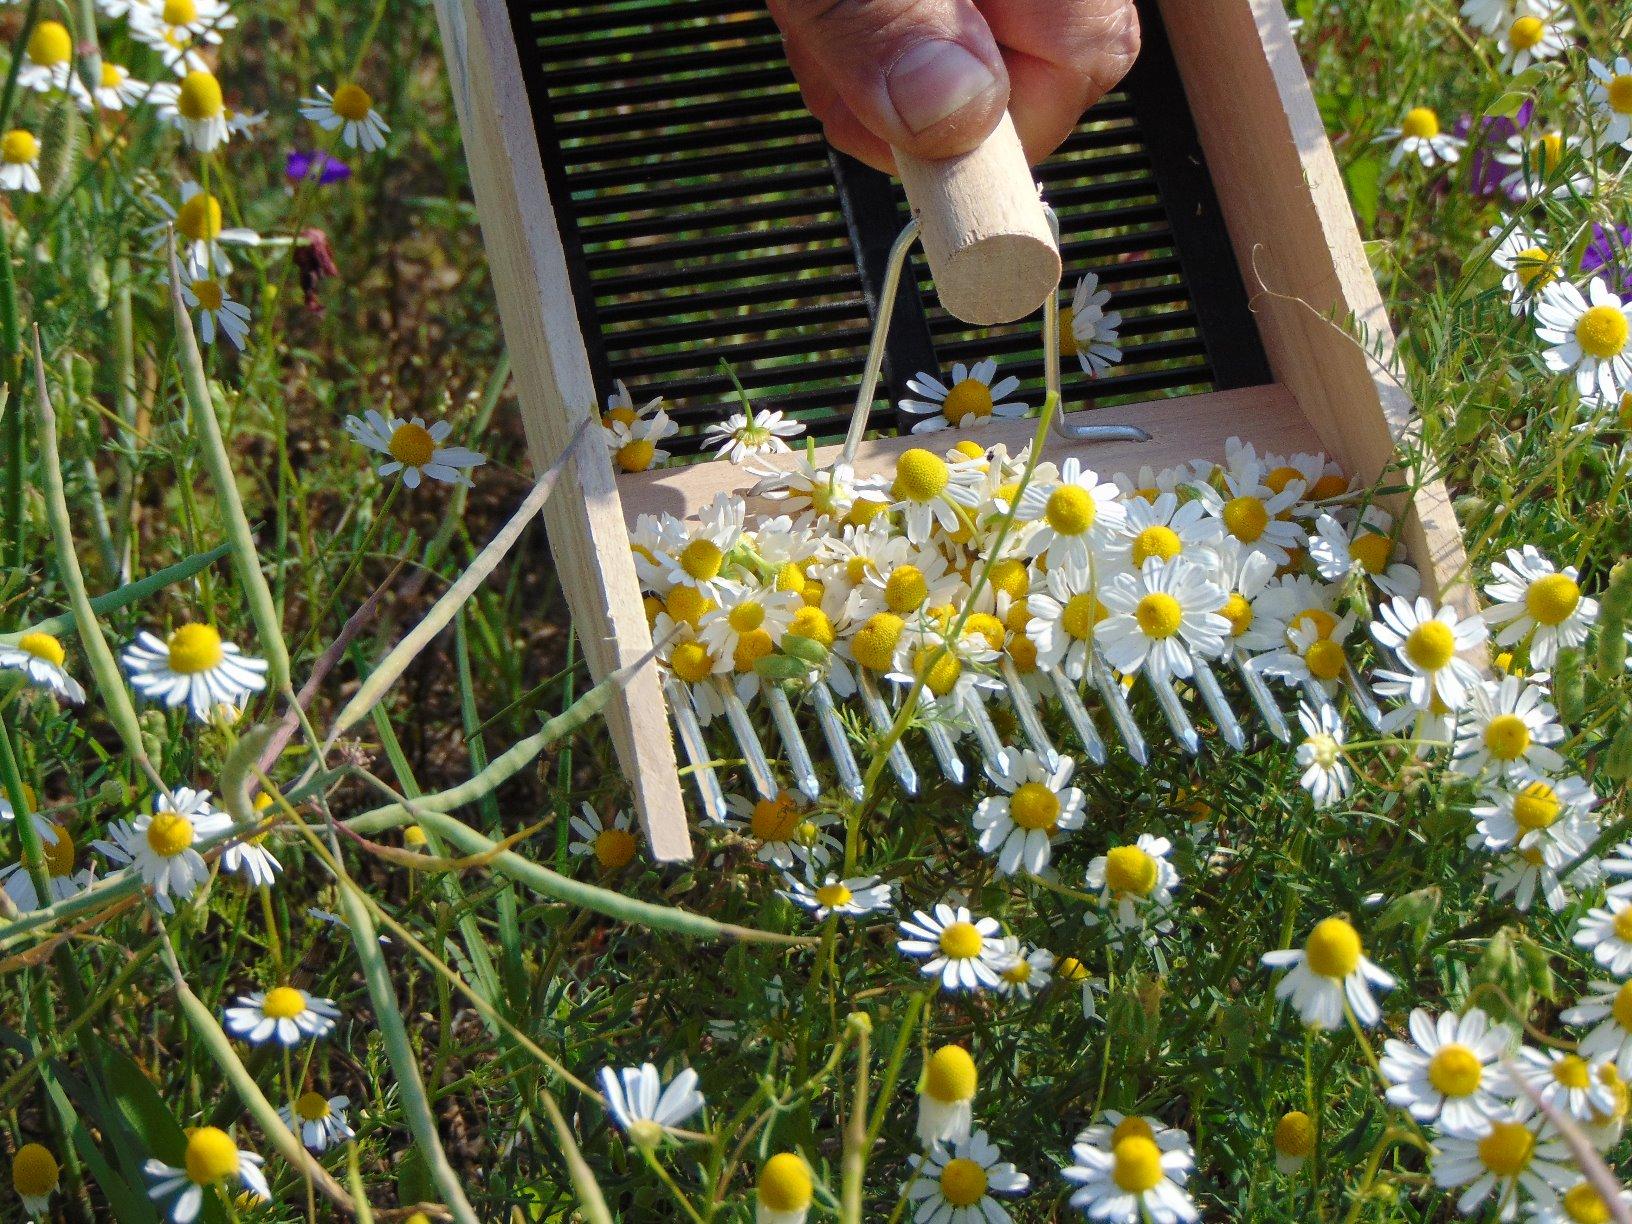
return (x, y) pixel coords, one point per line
(1485, 173)
(298, 168)
(1606, 256)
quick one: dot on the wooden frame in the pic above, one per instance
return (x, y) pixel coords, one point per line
(1295, 240)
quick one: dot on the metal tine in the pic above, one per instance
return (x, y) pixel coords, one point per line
(1219, 706)
(1361, 695)
(1080, 719)
(1315, 695)
(946, 754)
(1026, 709)
(900, 763)
(804, 772)
(753, 752)
(691, 739)
(1262, 697)
(1177, 717)
(1117, 702)
(991, 744)
(838, 744)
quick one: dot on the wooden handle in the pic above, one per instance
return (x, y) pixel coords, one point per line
(991, 252)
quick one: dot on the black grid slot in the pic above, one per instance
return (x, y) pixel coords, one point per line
(705, 219)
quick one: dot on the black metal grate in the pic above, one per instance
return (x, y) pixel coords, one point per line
(705, 218)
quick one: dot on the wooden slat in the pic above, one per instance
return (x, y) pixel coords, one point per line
(584, 517)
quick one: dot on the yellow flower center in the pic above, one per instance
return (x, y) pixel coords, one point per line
(1431, 645)
(790, 577)
(1333, 950)
(1129, 871)
(112, 75)
(209, 294)
(1455, 1070)
(1322, 622)
(1138, 1164)
(691, 661)
(312, 1107)
(920, 476)
(1552, 599)
(775, 819)
(283, 1003)
(199, 96)
(411, 445)
(1034, 806)
(413, 835)
(1159, 615)
(1621, 1008)
(1071, 510)
(814, 624)
(746, 616)
(939, 667)
(1068, 332)
(1584, 1205)
(1623, 924)
(949, 1075)
(1018, 973)
(180, 12)
(1328, 486)
(1325, 659)
(43, 647)
(835, 895)
(1011, 578)
(1245, 518)
(1611, 1079)
(18, 148)
(1506, 737)
(614, 848)
(34, 1171)
(961, 941)
(784, 1183)
(875, 642)
(1327, 751)
(905, 590)
(1072, 970)
(1162, 543)
(1602, 332)
(1238, 612)
(688, 604)
(963, 1182)
(1536, 806)
(636, 456)
(985, 627)
(864, 510)
(1506, 1150)
(1295, 1134)
(1131, 1125)
(169, 833)
(194, 649)
(702, 560)
(751, 648)
(199, 217)
(1420, 122)
(1526, 33)
(1619, 91)
(1279, 478)
(1081, 613)
(1372, 552)
(212, 1156)
(1024, 653)
(50, 44)
(352, 103)
(1534, 268)
(1573, 1072)
(59, 857)
(969, 398)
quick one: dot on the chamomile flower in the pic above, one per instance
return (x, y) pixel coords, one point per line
(1163, 528)
(1526, 263)
(854, 898)
(700, 562)
(1606, 932)
(620, 407)
(1318, 661)
(285, 1015)
(1255, 514)
(1330, 968)
(1517, 1160)
(211, 1159)
(1525, 874)
(1450, 1071)
(40, 657)
(1062, 619)
(745, 611)
(249, 857)
(811, 495)
(1535, 35)
(351, 110)
(1026, 971)
(1532, 598)
(691, 663)
(1325, 771)
(1570, 1083)
(1134, 883)
(645, 1108)
(35, 1176)
(1608, 1008)
(955, 1184)
(159, 845)
(1491, 16)
(414, 448)
(1077, 516)
(1369, 552)
(1580, 1204)
(946, 1094)
(216, 311)
(64, 881)
(1535, 162)
(1162, 618)
(1253, 607)
(928, 492)
(903, 578)
(193, 666)
(48, 59)
(1522, 809)
(1420, 136)
(19, 161)
(42, 824)
(611, 843)
(115, 90)
(1087, 330)
(319, 1120)
(970, 398)
(1072, 971)
(964, 952)
(1037, 804)
(1428, 644)
(1507, 725)
(1590, 335)
(635, 444)
(744, 435)
(787, 834)
(201, 234)
(1130, 1178)
(784, 1190)
(1610, 92)
(1294, 1140)
(180, 30)
(195, 108)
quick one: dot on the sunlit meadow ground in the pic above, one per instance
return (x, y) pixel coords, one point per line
(100, 1058)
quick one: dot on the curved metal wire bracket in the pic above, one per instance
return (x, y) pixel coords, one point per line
(1051, 355)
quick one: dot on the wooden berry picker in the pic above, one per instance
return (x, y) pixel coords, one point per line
(1108, 555)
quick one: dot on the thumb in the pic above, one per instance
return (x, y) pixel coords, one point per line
(922, 75)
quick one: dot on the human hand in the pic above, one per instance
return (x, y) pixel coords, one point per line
(933, 77)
